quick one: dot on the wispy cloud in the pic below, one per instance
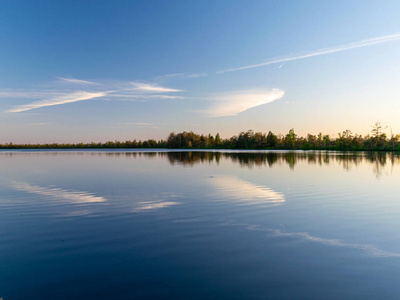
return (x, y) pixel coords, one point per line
(151, 88)
(182, 76)
(359, 44)
(143, 124)
(69, 98)
(38, 124)
(119, 91)
(133, 97)
(29, 94)
(70, 196)
(137, 124)
(195, 75)
(231, 104)
(74, 80)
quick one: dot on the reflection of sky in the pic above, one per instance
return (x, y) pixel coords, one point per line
(69, 196)
(244, 191)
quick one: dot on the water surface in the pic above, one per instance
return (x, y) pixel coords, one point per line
(199, 225)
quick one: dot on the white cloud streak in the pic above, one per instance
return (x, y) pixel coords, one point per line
(195, 75)
(66, 98)
(363, 43)
(136, 123)
(73, 80)
(143, 124)
(29, 94)
(182, 75)
(115, 91)
(131, 97)
(231, 104)
(38, 124)
(151, 88)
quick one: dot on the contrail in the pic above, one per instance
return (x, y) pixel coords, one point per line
(363, 43)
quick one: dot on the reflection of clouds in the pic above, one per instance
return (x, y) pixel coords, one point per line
(162, 200)
(77, 213)
(70, 196)
(154, 205)
(190, 220)
(244, 191)
(370, 249)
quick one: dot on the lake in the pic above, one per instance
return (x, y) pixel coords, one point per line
(129, 224)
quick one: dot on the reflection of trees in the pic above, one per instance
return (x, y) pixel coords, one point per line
(347, 160)
(119, 154)
(251, 159)
(190, 158)
(378, 161)
(290, 158)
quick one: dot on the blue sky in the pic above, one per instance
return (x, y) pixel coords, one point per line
(73, 71)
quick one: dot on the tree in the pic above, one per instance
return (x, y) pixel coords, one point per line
(290, 139)
(379, 137)
(344, 141)
(272, 140)
(217, 141)
(312, 140)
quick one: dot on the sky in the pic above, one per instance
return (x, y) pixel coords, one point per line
(83, 71)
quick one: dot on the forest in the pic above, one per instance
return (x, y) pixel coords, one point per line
(377, 140)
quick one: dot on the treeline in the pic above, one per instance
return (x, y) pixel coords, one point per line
(377, 140)
(346, 141)
(116, 144)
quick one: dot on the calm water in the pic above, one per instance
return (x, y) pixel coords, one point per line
(199, 225)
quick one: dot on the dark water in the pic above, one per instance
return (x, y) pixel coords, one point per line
(199, 225)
